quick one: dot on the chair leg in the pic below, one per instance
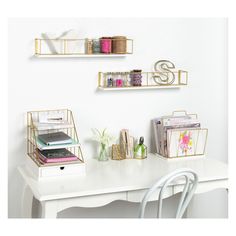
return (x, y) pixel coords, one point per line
(189, 210)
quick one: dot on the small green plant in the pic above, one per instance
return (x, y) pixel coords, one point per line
(104, 139)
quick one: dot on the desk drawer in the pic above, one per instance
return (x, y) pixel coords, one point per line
(55, 171)
(137, 195)
(62, 170)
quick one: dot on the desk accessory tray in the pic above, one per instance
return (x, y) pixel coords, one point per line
(126, 148)
(118, 155)
(46, 122)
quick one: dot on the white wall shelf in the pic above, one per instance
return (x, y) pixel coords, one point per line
(81, 55)
(139, 88)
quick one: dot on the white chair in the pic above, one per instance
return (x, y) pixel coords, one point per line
(190, 180)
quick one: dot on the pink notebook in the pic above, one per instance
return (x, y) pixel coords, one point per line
(54, 160)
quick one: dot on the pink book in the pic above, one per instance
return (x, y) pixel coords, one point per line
(61, 159)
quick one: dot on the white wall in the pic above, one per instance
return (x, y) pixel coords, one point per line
(196, 45)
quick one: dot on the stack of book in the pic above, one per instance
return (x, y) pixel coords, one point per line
(178, 135)
(52, 148)
(57, 138)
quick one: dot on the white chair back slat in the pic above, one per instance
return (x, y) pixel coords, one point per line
(190, 185)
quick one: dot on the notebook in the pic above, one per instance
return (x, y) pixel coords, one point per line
(55, 138)
(56, 155)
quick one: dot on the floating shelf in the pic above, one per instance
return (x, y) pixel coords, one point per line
(80, 55)
(67, 48)
(139, 88)
(107, 81)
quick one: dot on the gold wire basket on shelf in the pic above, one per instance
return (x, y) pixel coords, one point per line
(82, 47)
(141, 80)
(43, 122)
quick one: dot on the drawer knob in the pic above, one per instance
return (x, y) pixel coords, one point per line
(62, 167)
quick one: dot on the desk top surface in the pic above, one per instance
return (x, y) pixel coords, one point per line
(118, 176)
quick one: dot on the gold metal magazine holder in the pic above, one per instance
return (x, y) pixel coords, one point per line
(186, 142)
(34, 128)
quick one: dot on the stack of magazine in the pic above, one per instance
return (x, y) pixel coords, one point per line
(51, 151)
(177, 136)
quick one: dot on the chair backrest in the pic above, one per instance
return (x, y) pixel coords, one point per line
(190, 180)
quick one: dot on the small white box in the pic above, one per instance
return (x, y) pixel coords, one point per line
(45, 172)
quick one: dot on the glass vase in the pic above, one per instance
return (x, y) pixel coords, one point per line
(103, 155)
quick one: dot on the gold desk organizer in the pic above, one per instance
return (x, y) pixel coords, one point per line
(117, 154)
(149, 80)
(75, 47)
(34, 128)
(184, 142)
(120, 154)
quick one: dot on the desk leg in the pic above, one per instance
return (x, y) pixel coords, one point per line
(49, 209)
(27, 201)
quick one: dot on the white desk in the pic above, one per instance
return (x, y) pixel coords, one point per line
(115, 180)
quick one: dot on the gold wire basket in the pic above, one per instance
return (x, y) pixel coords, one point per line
(35, 128)
(149, 80)
(79, 47)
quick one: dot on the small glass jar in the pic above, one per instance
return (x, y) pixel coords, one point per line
(140, 150)
(119, 80)
(109, 80)
(103, 152)
(96, 46)
(124, 78)
(88, 46)
(114, 76)
(136, 77)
